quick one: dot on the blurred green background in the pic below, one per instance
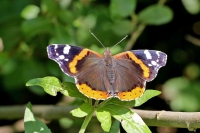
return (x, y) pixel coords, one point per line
(27, 27)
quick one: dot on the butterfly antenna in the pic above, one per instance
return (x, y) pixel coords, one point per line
(120, 41)
(96, 38)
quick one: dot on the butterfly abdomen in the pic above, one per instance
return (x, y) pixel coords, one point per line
(111, 75)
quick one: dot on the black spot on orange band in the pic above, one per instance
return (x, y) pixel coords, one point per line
(131, 95)
(91, 93)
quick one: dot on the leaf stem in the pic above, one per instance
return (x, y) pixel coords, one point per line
(86, 121)
(90, 101)
(102, 103)
(96, 103)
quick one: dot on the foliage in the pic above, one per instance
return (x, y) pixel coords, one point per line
(118, 109)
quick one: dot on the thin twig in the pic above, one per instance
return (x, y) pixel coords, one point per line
(135, 36)
(140, 28)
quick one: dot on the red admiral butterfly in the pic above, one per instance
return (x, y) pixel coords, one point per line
(104, 76)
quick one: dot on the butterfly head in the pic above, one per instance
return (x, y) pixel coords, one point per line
(107, 52)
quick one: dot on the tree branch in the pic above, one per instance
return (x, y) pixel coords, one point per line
(190, 120)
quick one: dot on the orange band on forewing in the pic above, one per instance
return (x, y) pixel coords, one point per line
(73, 63)
(135, 93)
(89, 92)
(146, 71)
(81, 55)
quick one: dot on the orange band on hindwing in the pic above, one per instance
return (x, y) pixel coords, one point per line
(146, 70)
(89, 92)
(131, 95)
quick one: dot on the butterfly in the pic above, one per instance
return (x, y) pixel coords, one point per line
(100, 77)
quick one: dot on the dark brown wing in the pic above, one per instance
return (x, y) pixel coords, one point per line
(94, 82)
(128, 85)
(133, 69)
(83, 65)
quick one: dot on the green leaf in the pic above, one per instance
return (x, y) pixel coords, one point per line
(63, 14)
(115, 128)
(148, 94)
(192, 6)
(123, 27)
(178, 91)
(30, 12)
(50, 84)
(116, 101)
(50, 6)
(82, 111)
(32, 124)
(70, 89)
(138, 122)
(120, 8)
(36, 26)
(104, 118)
(156, 15)
(130, 121)
(7, 65)
(66, 122)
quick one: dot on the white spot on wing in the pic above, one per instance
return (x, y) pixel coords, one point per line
(66, 59)
(158, 53)
(66, 49)
(148, 55)
(61, 57)
(154, 63)
(56, 46)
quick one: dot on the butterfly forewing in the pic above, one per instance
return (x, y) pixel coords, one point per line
(145, 63)
(63, 55)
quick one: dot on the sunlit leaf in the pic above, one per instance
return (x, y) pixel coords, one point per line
(82, 111)
(104, 118)
(148, 94)
(192, 6)
(32, 124)
(50, 84)
(30, 12)
(130, 121)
